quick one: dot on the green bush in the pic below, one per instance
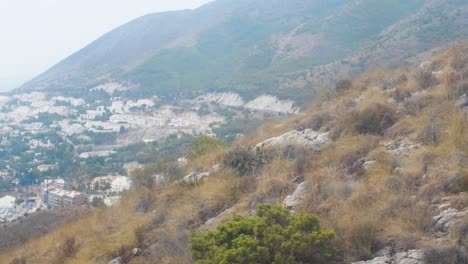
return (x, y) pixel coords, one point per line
(272, 236)
(375, 119)
(243, 160)
(205, 143)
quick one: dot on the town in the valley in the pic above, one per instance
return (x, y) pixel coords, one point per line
(58, 150)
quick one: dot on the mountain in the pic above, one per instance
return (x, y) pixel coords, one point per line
(382, 161)
(281, 47)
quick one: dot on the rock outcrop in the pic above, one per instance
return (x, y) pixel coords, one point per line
(291, 202)
(118, 260)
(272, 103)
(307, 138)
(406, 257)
(448, 218)
(263, 102)
(401, 147)
(213, 222)
(228, 99)
(197, 176)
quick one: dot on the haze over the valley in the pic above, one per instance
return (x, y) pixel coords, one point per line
(27, 49)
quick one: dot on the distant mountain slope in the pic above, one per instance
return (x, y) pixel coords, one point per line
(252, 47)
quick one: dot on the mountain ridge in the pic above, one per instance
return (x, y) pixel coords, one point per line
(255, 47)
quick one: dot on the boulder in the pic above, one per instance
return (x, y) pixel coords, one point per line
(409, 257)
(213, 222)
(136, 252)
(308, 138)
(447, 218)
(291, 202)
(118, 260)
(378, 260)
(405, 257)
(195, 176)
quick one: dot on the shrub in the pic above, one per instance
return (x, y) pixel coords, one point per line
(375, 119)
(20, 260)
(459, 62)
(464, 183)
(68, 247)
(243, 160)
(205, 143)
(425, 79)
(317, 121)
(445, 255)
(273, 236)
(343, 86)
(430, 135)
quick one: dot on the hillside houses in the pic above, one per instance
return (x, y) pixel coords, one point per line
(53, 194)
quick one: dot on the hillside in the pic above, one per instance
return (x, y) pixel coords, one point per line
(382, 160)
(282, 47)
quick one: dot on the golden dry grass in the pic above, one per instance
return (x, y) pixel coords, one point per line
(368, 208)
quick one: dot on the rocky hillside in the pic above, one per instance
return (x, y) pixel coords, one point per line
(381, 160)
(283, 48)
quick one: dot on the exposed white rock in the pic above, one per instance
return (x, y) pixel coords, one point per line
(118, 260)
(378, 260)
(110, 87)
(407, 257)
(291, 202)
(424, 65)
(307, 138)
(194, 176)
(229, 99)
(447, 218)
(400, 147)
(368, 164)
(215, 221)
(272, 103)
(136, 252)
(182, 161)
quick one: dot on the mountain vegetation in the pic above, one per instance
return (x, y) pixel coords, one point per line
(282, 47)
(389, 174)
(274, 236)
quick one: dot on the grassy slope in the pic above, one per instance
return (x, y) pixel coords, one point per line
(390, 203)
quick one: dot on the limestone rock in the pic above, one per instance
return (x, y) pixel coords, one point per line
(136, 252)
(406, 257)
(116, 261)
(401, 147)
(271, 103)
(194, 176)
(292, 201)
(447, 218)
(229, 99)
(409, 257)
(378, 260)
(307, 138)
(215, 221)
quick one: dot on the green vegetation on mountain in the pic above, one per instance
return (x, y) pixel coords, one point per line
(391, 174)
(251, 47)
(273, 236)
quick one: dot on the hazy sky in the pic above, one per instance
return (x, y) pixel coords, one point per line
(36, 34)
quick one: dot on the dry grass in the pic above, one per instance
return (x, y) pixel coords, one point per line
(386, 204)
